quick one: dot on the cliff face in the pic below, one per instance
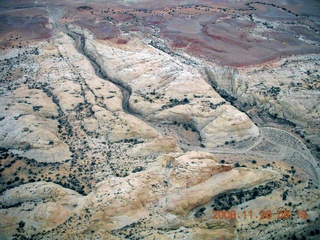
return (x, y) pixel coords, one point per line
(286, 89)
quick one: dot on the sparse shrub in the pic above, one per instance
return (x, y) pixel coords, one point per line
(200, 212)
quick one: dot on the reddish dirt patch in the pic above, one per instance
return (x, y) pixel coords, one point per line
(301, 30)
(154, 20)
(20, 27)
(178, 44)
(231, 42)
(102, 30)
(122, 41)
(223, 31)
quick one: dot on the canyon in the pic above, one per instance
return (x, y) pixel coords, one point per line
(137, 120)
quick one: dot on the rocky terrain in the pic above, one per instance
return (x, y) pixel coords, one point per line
(291, 97)
(121, 121)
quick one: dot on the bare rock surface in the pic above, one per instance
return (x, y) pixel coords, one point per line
(168, 188)
(34, 112)
(134, 121)
(286, 89)
(29, 128)
(165, 90)
(40, 206)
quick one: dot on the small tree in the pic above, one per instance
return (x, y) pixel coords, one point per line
(236, 165)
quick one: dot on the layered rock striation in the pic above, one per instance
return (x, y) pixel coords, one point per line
(163, 89)
(176, 184)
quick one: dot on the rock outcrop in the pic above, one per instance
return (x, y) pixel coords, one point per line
(171, 188)
(36, 207)
(166, 90)
(29, 126)
(286, 89)
(109, 129)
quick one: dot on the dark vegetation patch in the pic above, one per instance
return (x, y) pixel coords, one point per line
(175, 102)
(200, 212)
(227, 200)
(84, 8)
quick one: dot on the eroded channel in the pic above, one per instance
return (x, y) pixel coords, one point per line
(80, 46)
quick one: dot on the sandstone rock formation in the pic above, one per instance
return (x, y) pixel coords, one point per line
(165, 90)
(176, 184)
(122, 121)
(36, 207)
(34, 112)
(285, 89)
